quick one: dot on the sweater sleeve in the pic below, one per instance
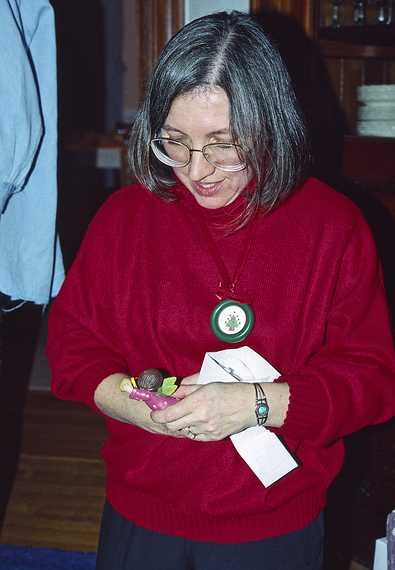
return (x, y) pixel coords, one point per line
(82, 346)
(350, 382)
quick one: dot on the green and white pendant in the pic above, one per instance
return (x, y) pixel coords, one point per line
(232, 321)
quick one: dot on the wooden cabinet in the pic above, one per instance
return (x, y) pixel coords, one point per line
(354, 53)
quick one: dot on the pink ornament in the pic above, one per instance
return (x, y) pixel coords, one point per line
(153, 400)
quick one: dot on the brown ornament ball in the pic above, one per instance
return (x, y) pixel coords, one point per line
(150, 379)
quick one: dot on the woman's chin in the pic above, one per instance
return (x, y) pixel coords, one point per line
(214, 201)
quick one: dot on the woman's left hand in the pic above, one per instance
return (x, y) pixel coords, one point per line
(209, 412)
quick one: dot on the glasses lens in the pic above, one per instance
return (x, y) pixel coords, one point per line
(225, 156)
(171, 153)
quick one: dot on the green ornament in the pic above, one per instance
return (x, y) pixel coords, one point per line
(169, 386)
(232, 321)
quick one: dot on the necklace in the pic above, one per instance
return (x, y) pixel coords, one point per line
(231, 319)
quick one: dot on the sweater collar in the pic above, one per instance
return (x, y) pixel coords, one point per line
(217, 216)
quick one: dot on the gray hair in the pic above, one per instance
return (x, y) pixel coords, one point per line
(230, 51)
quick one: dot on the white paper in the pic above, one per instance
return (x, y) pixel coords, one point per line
(261, 449)
(380, 554)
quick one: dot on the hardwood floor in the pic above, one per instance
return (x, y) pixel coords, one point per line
(58, 492)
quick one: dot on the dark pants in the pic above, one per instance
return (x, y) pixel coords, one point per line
(125, 546)
(19, 330)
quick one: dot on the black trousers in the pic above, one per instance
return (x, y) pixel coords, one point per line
(19, 330)
(125, 546)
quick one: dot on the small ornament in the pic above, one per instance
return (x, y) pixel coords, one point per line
(359, 12)
(150, 379)
(337, 13)
(232, 321)
(151, 388)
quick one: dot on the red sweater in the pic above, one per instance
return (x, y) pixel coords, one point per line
(140, 294)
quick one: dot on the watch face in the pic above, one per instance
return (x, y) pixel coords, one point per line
(232, 321)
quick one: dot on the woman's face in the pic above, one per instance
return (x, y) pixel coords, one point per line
(196, 119)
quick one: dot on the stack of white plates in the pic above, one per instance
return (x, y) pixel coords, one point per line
(376, 111)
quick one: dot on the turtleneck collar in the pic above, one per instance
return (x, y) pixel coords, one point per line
(223, 216)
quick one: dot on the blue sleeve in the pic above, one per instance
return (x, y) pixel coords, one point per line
(31, 265)
(21, 125)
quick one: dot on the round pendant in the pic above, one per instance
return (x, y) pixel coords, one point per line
(232, 321)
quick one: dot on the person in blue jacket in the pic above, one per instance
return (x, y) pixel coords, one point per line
(31, 267)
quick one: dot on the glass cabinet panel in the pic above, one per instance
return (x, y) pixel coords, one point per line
(344, 13)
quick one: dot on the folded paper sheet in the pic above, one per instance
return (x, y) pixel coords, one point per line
(261, 449)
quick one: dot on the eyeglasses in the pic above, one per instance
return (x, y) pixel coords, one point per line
(229, 157)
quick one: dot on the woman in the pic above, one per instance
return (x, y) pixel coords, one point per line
(230, 215)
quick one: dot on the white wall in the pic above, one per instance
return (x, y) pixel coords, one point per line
(196, 8)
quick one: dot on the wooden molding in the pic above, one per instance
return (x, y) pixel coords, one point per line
(158, 21)
(355, 51)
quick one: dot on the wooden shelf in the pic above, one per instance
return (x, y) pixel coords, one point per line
(345, 50)
(379, 35)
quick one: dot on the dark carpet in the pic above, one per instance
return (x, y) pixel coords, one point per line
(25, 558)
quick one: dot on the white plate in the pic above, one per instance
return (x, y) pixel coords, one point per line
(376, 128)
(376, 93)
(376, 112)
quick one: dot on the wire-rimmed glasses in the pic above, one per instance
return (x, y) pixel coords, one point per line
(229, 157)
